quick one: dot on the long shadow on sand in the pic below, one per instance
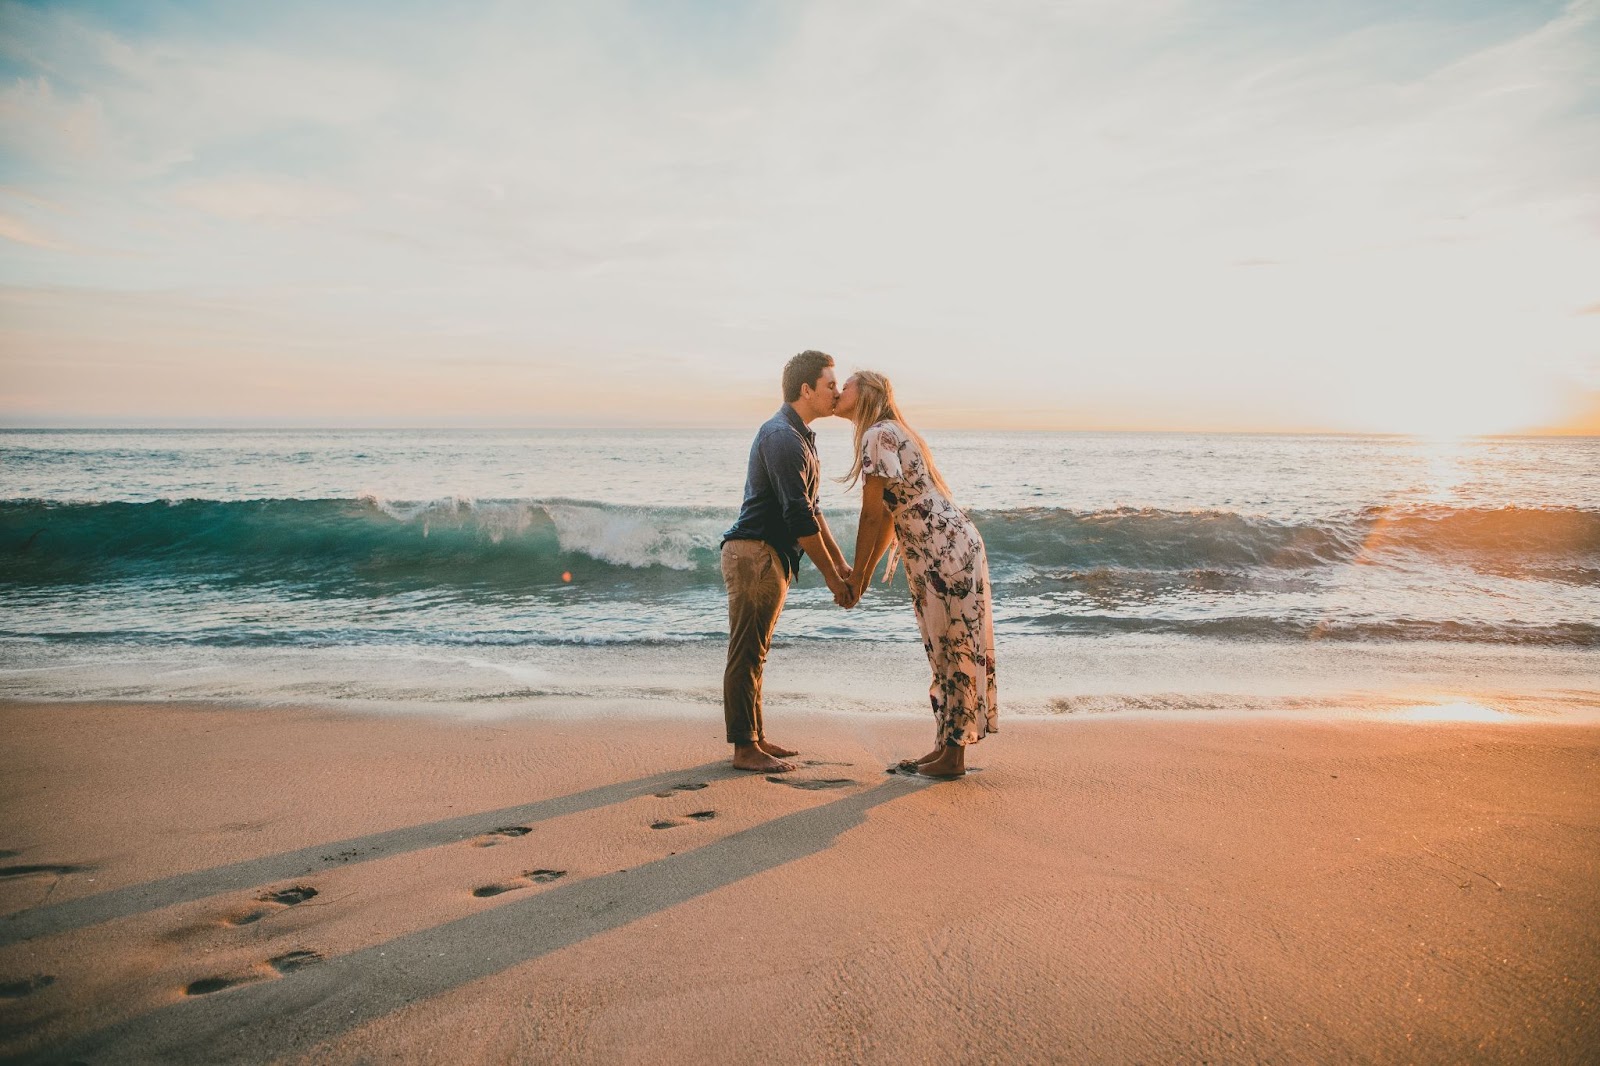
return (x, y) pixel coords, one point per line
(263, 1022)
(251, 873)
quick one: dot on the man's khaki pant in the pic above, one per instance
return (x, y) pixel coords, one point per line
(757, 587)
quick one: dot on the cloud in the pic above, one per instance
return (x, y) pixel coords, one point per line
(265, 199)
(61, 134)
(14, 229)
(131, 107)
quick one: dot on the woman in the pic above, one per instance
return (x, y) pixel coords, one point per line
(904, 498)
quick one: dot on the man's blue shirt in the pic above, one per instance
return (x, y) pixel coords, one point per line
(780, 488)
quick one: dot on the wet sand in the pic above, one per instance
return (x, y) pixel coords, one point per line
(190, 883)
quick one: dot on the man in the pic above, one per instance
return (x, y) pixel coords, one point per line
(761, 553)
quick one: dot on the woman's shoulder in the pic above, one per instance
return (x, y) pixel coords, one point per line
(887, 428)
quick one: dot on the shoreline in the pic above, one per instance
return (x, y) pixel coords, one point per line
(1122, 888)
(1046, 677)
(1497, 708)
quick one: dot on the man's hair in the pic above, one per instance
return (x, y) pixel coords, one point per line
(803, 369)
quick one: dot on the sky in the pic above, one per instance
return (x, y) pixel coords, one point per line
(1103, 214)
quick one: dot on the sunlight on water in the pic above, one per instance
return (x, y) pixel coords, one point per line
(1446, 460)
(1453, 712)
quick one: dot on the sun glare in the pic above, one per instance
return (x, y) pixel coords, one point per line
(1453, 424)
(1453, 410)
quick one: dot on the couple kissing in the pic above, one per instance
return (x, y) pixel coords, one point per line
(907, 512)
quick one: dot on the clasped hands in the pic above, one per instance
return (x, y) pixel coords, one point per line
(846, 591)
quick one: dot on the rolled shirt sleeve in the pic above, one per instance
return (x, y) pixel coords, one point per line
(792, 472)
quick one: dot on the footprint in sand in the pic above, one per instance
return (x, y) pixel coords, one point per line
(672, 823)
(822, 762)
(501, 835)
(284, 964)
(284, 897)
(687, 786)
(207, 985)
(813, 784)
(485, 891)
(537, 877)
(289, 897)
(291, 961)
(26, 987)
(51, 869)
(903, 771)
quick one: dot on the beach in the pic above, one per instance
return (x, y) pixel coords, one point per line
(216, 883)
(427, 438)
(355, 746)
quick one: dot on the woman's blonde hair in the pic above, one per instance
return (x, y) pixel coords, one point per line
(875, 403)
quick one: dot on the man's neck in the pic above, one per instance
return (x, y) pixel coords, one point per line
(807, 419)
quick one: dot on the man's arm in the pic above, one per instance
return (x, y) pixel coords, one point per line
(785, 461)
(833, 547)
(837, 584)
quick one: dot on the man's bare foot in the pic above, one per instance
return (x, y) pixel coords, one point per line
(751, 757)
(952, 762)
(777, 751)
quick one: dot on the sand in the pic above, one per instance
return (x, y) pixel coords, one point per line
(1105, 889)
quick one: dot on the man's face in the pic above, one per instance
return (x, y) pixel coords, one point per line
(822, 398)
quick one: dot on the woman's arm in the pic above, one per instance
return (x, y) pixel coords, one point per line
(874, 533)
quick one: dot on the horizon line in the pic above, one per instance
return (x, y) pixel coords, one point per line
(598, 427)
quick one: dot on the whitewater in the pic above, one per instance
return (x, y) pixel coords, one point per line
(333, 556)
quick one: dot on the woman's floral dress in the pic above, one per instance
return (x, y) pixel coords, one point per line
(948, 571)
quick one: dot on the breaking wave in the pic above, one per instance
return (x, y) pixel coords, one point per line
(524, 542)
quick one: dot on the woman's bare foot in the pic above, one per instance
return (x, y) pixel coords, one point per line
(751, 757)
(777, 751)
(951, 762)
(913, 765)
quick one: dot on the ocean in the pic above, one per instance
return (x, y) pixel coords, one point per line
(513, 566)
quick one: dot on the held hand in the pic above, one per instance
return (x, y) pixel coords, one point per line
(843, 592)
(845, 572)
